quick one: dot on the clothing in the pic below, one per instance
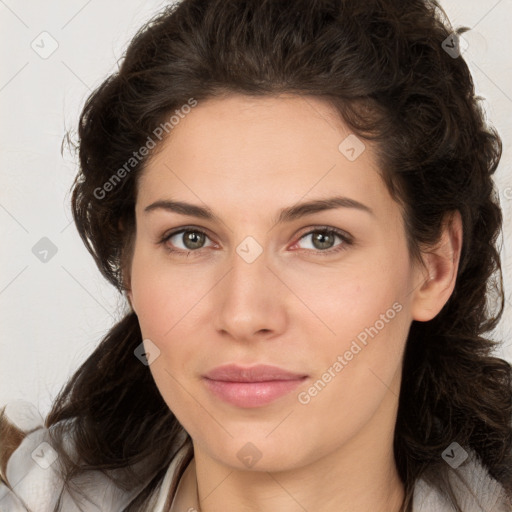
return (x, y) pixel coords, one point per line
(30, 482)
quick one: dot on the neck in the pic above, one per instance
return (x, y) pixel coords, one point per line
(289, 492)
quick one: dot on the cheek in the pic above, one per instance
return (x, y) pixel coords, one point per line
(348, 303)
(367, 318)
(161, 296)
(356, 367)
(150, 298)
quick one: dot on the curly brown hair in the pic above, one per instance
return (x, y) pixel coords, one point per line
(381, 64)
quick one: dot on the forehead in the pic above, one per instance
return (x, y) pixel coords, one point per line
(285, 146)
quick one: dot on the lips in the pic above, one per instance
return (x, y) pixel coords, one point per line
(258, 373)
(253, 386)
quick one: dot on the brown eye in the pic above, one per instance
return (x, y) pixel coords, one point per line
(323, 240)
(191, 240)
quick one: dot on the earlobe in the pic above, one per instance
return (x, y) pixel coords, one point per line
(439, 278)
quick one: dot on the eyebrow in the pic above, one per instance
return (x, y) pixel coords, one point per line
(285, 215)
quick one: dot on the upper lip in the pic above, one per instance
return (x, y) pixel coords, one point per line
(257, 373)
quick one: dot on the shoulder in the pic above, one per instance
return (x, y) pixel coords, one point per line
(18, 419)
(473, 487)
(168, 488)
(30, 470)
(25, 458)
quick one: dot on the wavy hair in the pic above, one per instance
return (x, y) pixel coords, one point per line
(382, 65)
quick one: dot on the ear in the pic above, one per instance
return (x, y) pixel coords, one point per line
(440, 275)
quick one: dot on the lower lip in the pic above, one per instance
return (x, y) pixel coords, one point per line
(251, 394)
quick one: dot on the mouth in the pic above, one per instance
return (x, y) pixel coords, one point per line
(250, 387)
(251, 394)
(256, 373)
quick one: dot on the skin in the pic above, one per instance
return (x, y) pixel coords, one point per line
(294, 306)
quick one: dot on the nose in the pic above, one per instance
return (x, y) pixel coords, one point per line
(251, 301)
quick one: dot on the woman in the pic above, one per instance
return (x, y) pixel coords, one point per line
(296, 198)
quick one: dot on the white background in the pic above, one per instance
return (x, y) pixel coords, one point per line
(53, 314)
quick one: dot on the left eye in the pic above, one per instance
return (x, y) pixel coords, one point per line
(323, 239)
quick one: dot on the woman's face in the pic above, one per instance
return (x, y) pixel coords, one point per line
(267, 287)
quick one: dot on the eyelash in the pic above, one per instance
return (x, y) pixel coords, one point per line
(346, 239)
